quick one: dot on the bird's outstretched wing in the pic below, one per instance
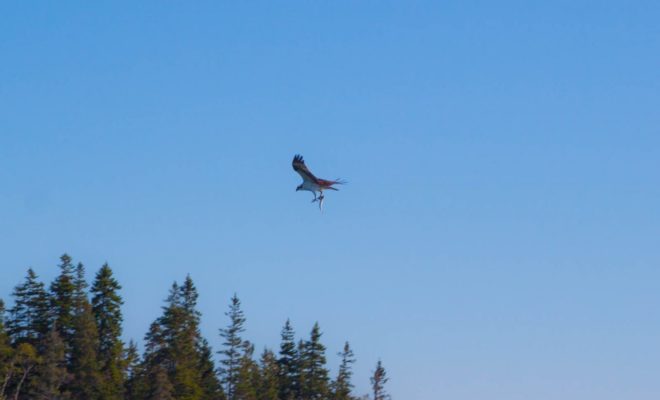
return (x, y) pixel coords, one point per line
(300, 167)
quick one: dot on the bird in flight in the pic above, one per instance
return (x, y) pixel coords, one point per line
(312, 183)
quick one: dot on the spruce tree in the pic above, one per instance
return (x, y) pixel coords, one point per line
(289, 375)
(269, 376)
(175, 345)
(154, 362)
(106, 307)
(51, 374)
(79, 287)
(6, 354)
(62, 302)
(181, 319)
(133, 371)
(247, 377)
(211, 386)
(342, 386)
(314, 375)
(233, 347)
(87, 379)
(29, 317)
(161, 387)
(24, 360)
(378, 381)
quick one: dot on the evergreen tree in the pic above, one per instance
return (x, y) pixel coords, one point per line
(211, 386)
(79, 289)
(342, 386)
(140, 384)
(106, 307)
(161, 387)
(247, 377)
(269, 382)
(188, 298)
(24, 360)
(132, 371)
(314, 375)
(87, 380)
(30, 315)
(74, 351)
(378, 381)
(299, 365)
(175, 345)
(289, 375)
(182, 322)
(51, 374)
(62, 301)
(6, 354)
(233, 347)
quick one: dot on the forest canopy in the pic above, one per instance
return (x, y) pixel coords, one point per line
(64, 341)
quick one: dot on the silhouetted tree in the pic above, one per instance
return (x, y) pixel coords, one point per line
(233, 347)
(378, 381)
(342, 386)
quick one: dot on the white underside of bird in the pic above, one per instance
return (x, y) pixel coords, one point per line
(311, 183)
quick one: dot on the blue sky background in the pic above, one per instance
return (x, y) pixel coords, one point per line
(500, 234)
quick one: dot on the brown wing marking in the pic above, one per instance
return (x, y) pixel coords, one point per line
(299, 166)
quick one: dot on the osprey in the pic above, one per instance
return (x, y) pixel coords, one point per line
(312, 183)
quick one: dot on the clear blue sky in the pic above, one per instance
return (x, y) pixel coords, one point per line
(500, 234)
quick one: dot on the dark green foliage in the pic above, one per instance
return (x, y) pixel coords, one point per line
(288, 362)
(161, 387)
(79, 289)
(181, 321)
(51, 374)
(314, 379)
(106, 308)
(62, 301)
(247, 377)
(233, 347)
(29, 317)
(342, 386)
(6, 354)
(28, 322)
(175, 346)
(132, 370)
(87, 378)
(58, 345)
(378, 381)
(211, 387)
(269, 377)
(23, 362)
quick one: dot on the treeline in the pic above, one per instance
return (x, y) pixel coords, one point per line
(64, 343)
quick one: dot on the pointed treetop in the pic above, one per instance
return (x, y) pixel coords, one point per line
(378, 381)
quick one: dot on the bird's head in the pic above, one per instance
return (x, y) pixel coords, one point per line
(299, 187)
